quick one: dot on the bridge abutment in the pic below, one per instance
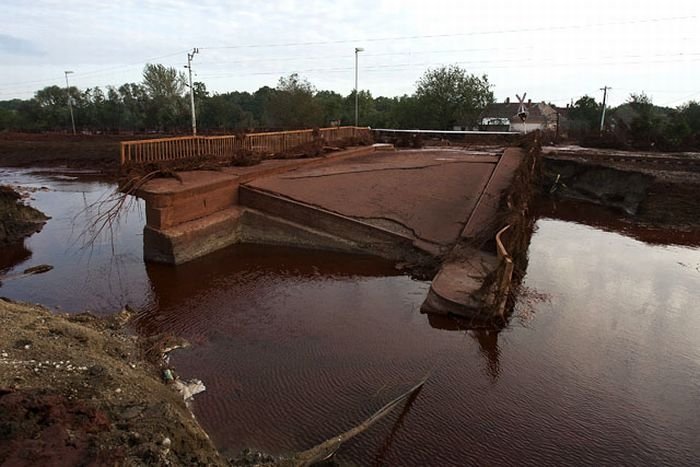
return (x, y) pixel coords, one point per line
(425, 208)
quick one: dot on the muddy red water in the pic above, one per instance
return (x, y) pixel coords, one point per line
(600, 364)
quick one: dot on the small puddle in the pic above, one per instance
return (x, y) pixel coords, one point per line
(600, 365)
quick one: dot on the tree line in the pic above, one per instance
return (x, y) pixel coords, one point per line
(443, 97)
(637, 123)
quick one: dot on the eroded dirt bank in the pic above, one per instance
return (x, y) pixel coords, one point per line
(17, 220)
(659, 191)
(77, 390)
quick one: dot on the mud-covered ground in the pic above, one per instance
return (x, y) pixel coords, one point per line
(95, 152)
(77, 390)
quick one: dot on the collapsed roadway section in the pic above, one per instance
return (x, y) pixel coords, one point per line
(447, 211)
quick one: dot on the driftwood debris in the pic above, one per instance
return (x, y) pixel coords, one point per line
(328, 448)
(40, 269)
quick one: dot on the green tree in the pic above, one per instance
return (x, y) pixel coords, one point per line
(449, 96)
(113, 109)
(15, 114)
(585, 114)
(223, 111)
(200, 90)
(165, 87)
(691, 114)
(677, 129)
(408, 113)
(331, 107)
(385, 112)
(292, 104)
(134, 100)
(53, 103)
(645, 127)
(365, 103)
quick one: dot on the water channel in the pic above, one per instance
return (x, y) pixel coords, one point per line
(600, 364)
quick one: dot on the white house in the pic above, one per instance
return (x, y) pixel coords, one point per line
(503, 116)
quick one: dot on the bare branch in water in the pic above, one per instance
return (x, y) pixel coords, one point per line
(104, 214)
(326, 449)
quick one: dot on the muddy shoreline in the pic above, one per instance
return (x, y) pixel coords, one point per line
(17, 219)
(654, 194)
(75, 389)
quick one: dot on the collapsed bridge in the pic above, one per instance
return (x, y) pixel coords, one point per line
(454, 214)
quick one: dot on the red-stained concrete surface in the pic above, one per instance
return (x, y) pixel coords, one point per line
(457, 287)
(428, 195)
(403, 205)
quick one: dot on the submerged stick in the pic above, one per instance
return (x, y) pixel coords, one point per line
(326, 449)
(40, 269)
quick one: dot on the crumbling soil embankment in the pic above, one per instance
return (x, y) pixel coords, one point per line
(76, 390)
(663, 196)
(17, 220)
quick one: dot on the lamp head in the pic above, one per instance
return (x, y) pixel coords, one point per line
(359, 49)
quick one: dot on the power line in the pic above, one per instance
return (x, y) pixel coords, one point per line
(95, 72)
(687, 98)
(335, 56)
(461, 34)
(493, 64)
(512, 62)
(92, 72)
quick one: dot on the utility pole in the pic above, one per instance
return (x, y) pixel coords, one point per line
(70, 100)
(190, 56)
(602, 116)
(357, 102)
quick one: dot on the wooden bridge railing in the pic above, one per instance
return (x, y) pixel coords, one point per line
(185, 147)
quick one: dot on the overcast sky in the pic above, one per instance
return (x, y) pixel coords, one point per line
(554, 50)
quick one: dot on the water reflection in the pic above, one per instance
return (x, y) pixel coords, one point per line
(244, 276)
(102, 278)
(486, 338)
(383, 451)
(488, 346)
(13, 254)
(612, 221)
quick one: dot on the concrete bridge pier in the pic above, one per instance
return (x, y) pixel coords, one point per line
(189, 218)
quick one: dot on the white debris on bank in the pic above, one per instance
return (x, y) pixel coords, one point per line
(38, 365)
(189, 389)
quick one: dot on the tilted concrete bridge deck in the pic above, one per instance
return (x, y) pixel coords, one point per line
(411, 206)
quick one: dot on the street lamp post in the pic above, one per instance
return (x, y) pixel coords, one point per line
(70, 101)
(357, 102)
